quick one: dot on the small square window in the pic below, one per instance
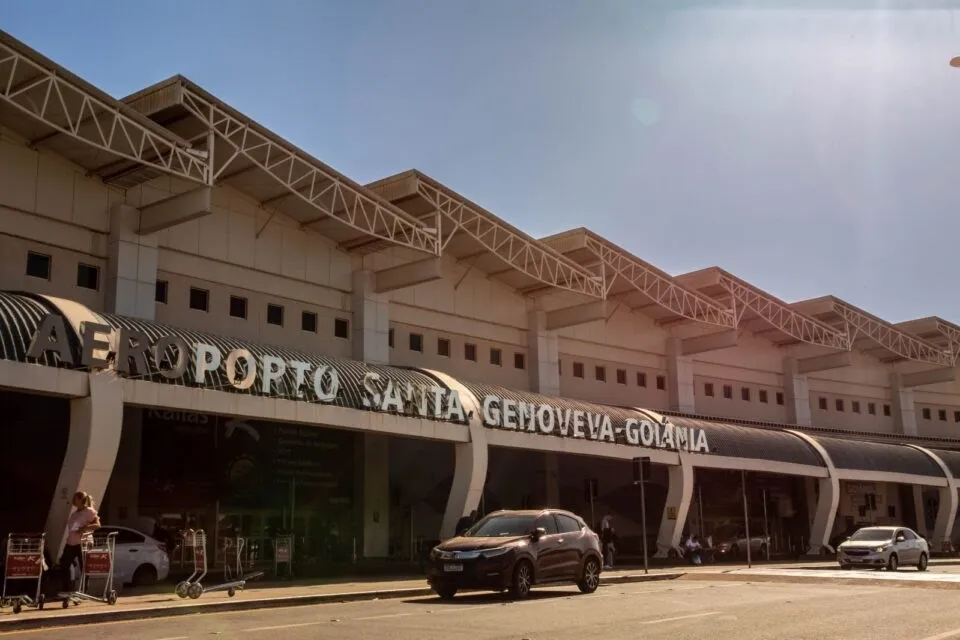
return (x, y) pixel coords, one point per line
(600, 373)
(956, 416)
(577, 369)
(390, 338)
(238, 307)
(38, 265)
(275, 314)
(745, 394)
(942, 415)
(496, 357)
(308, 322)
(838, 403)
(88, 276)
(822, 403)
(762, 395)
(708, 389)
(886, 410)
(926, 413)
(728, 392)
(855, 406)
(160, 292)
(470, 352)
(199, 299)
(519, 361)
(443, 347)
(661, 383)
(621, 376)
(872, 408)
(416, 342)
(641, 379)
(780, 398)
(341, 326)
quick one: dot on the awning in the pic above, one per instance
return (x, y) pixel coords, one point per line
(877, 456)
(951, 459)
(740, 441)
(20, 317)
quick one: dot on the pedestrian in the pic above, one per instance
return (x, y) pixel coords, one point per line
(80, 525)
(608, 540)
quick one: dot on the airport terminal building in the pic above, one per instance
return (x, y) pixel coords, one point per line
(201, 323)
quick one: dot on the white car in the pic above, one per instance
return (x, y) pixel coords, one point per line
(138, 558)
(879, 547)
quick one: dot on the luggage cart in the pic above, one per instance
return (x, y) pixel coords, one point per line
(23, 561)
(283, 554)
(196, 540)
(96, 561)
(233, 577)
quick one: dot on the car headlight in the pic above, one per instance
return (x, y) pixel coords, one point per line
(881, 548)
(493, 553)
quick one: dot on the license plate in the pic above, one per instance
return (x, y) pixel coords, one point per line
(453, 568)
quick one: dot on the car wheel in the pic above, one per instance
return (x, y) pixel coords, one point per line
(922, 565)
(893, 563)
(145, 576)
(522, 580)
(590, 579)
(445, 592)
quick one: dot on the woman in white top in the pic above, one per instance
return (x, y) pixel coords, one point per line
(82, 522)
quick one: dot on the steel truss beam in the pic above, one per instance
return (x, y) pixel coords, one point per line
(903, 344)
(780, 316)
(661, 289)
(331, 194)
(952, 333)
(63, 105)
(523, 254)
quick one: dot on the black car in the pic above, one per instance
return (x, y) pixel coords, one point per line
(514, 550)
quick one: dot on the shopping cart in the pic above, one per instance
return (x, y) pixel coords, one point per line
(23, 561)
(96, 561)
(233, 576)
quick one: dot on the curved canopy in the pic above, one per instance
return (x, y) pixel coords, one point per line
(878, 456)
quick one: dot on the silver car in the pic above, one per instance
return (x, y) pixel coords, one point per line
(878, 547)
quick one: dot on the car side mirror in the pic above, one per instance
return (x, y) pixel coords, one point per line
(538, 533)
(901, 538)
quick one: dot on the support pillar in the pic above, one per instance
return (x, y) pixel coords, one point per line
(131, 266)
(904, 409)
(679, 497)
(949, 500)
(544, 371)
(680, 388)
(796, 389)
(828, 499)
(95, 426)
(371, 331)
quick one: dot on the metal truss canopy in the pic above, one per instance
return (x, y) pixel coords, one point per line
(860, 324)
(35, 87)
(616, 267)
(938, 331)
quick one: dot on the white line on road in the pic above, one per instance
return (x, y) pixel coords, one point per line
(943, 636)
(692, 615)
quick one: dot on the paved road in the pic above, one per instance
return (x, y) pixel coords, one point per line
(667, 610)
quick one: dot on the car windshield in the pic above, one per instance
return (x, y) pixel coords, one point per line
(502, 526)
(872, 535)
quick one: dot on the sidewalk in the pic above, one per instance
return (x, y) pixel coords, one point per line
(161, 602)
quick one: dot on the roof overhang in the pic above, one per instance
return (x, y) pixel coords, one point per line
(276, 174)
(479, 240)
(50, 107)
(637, 284)
(874, 336)
(942, 333)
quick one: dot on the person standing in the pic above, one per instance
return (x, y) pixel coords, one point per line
(81, 524)
(608, 539)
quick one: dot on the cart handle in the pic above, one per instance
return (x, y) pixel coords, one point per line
(26, 535)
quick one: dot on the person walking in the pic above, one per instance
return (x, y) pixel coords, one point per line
(82, 522)
(608, 540)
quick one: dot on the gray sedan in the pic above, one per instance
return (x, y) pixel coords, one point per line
(878, 547)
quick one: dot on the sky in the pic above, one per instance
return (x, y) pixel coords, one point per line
(807, 146)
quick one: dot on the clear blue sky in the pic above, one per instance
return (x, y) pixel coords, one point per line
(808, 150)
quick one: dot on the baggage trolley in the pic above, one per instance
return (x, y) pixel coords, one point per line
(233, 577)
(23, 561)
(283, 554)
(197, 542)
(96, 561)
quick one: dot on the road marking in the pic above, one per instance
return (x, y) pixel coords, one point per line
(285, 626)
(943, 636)
(675, 618)
(175, 638)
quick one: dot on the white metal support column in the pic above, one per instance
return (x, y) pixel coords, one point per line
(679, 497)
(949, 499)
(827, 501)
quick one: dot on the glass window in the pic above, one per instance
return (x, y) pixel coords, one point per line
(762, 394)
(708, 389)
(238, 307)
(873, 535)
(641, 379)
(88, 276)
(341, 326)
(600, 373)
(38, 265)
(502, 526)
(661, 383)
(160, 292)
(470, 352)
(519, 361)
(416, 342)
(443, 347)
(566, 524)
(199, 299)
(275, 314)
(548, 523)
(577, 369)
(496, 357)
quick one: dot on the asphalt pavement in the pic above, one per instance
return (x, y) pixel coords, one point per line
(677, 609)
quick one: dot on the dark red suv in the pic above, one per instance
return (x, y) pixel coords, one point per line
(514, 550)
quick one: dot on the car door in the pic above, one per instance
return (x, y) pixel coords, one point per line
(912, 542)
(571, 547)
(903, 546)
(548, 549)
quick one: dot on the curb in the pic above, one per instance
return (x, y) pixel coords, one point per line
(38, 621)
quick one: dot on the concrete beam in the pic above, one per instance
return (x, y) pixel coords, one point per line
(579, 314)
(709, 342)
(408, 275)
(931, 376)
(824, 362)
(175, 210)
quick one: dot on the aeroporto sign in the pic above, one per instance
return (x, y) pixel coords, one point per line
(133, 354)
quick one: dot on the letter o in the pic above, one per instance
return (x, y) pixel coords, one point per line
(326, 392)
(648, 433)
(545, 419)
(250, 369)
